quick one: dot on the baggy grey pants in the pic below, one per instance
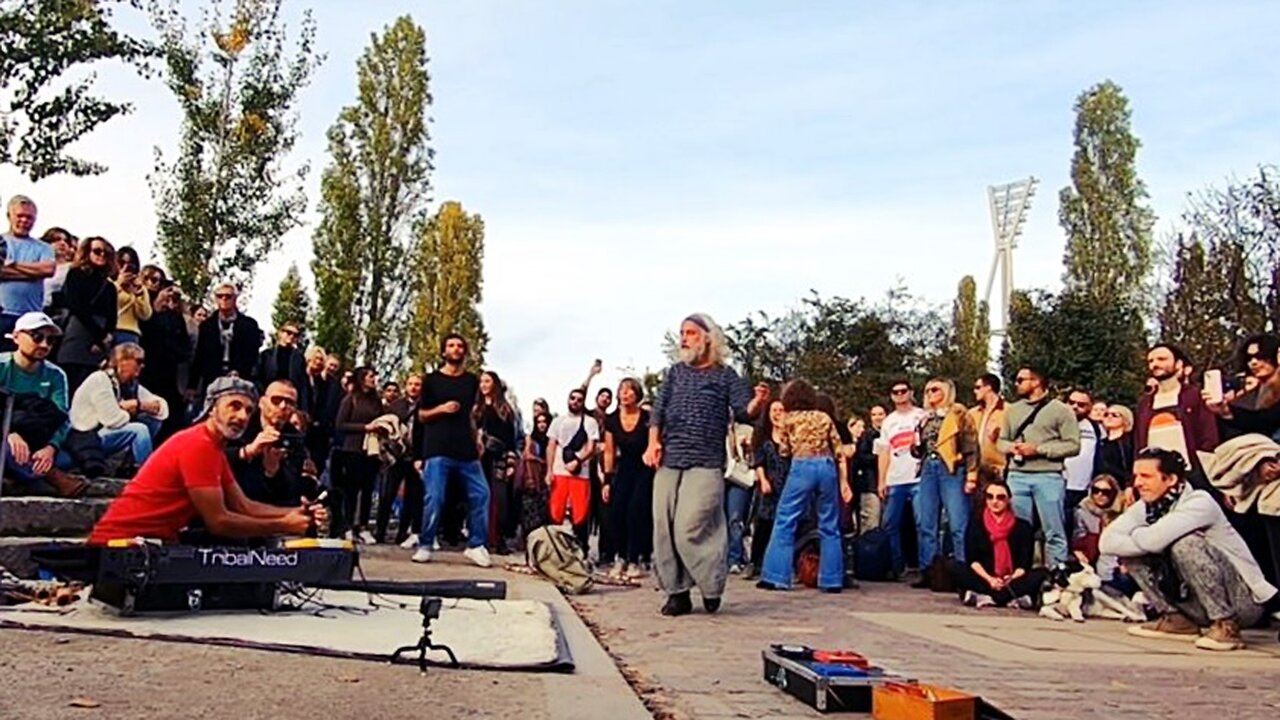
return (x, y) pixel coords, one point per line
(690, 539)
(1217, 590)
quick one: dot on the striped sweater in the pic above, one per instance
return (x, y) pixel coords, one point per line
(692, 413)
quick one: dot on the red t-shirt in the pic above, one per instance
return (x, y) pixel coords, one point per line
(156, 503)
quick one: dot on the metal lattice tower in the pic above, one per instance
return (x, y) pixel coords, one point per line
(1009, 205)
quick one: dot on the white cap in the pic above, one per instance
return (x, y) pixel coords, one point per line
(33, 321)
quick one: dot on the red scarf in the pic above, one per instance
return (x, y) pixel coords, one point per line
(999, 529)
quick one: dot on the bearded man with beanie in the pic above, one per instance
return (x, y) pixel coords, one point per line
(699, 398)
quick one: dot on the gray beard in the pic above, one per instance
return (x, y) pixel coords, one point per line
(692, 356)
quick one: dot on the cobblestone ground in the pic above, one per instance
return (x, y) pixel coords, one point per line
(708, 667)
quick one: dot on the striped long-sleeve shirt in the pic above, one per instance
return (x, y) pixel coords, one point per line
(692, 412)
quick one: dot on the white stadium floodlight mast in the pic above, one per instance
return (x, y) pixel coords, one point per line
(1009, 205)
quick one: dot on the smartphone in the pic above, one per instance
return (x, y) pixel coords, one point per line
(1213, 386)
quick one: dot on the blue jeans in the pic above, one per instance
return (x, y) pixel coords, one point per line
(134, 437)
(808, 477)
(737, 501)
(1044, 493)
(435, 476)
(895, 502)
(937, 489)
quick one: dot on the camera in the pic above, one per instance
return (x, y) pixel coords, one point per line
(290, 440)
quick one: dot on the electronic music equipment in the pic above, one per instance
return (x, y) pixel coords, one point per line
(143, 576)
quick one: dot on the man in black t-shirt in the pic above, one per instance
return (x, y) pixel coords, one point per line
(451, 447)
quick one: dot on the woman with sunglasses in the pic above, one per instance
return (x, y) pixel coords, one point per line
(91, 303)
(1102, 505)
(133, 304)
(999, 548)
(947, 446)
(1115, 450)
(1257, 409)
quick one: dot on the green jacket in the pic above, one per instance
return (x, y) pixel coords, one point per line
(49, 382)
(1055, 433)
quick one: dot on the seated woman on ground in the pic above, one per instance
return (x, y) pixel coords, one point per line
(999, 549)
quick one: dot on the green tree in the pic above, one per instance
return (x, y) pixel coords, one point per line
(293, 303)
(967, 352)
(373, 198)
(224, 202)
(1103, 211)
(1225, 270)
(447, 285)
(41, 112)
(1079, 341)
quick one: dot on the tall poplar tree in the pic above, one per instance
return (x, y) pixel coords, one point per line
(1104, 212)
(373, 200)
(293, 304)
(224, 202)
(967, 353)
(448, 285)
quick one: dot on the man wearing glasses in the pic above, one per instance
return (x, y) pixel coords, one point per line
(112, 403)
(24, 264)
(1038, 434)
(1081, 469)
(284, 361)
(898, 470)
(39, 424)
(273, 467)
(227, 342)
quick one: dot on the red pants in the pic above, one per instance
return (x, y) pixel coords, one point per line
(574, 492)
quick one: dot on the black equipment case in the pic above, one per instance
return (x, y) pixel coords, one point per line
(814, 685)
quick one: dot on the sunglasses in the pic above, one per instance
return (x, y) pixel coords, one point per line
(281, 400)
(998, 496)
(41, 338)
(933, 390)
(290, 333)
(223, 296)
(98, 251)
(1102, 490)
(900, 391)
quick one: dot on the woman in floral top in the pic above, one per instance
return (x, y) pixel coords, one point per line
(809, 439)
(771, 477)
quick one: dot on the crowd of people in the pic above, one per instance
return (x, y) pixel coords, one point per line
(1176, 501)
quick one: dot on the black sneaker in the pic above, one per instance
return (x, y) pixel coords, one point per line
(677, 605)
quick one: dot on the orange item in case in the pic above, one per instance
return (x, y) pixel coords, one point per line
(899, 701)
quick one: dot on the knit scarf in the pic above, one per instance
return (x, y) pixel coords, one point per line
(999, 529)
(1161, 507)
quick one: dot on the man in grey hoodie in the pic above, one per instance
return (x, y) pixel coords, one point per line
(1190, 562)
(1039, 433)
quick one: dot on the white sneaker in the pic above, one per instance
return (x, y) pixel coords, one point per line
(349, 536)
(423, 555)
(410, 542)
(367, 538)
(985, 601)
(635, 572)
(435, 545)
(735, 569)
(619, 570)
(479, 556)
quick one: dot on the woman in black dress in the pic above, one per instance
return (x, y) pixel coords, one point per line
(496, 420)
(629, 482)
(771, 474)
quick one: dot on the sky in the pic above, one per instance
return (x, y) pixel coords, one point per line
(636, 162)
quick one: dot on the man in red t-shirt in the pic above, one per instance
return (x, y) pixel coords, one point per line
(189, 476)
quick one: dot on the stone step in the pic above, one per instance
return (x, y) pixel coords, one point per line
(15, 552)
(56, 517)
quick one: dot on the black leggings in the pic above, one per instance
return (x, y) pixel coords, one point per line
(761, 532)
(354, 476)
(410, 508)
(1026, 586)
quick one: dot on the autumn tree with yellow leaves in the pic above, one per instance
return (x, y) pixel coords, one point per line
(225, 199)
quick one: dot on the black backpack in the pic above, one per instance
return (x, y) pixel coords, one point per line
(874, 560)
